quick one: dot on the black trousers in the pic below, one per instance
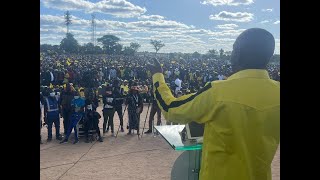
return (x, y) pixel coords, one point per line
(154, 109)
(118, 109)
(66, 119)
(134, 121)
(108, 118)
(56, 122)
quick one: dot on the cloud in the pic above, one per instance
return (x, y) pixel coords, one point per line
(265, 21)
(222, 39)
(139, 26)
(151, 17)
(266, 10)
(158, 24)
(118, 8)
(277, 22)
(229, 16)
(227, 26)
(227, 32)
(49, 19)
(227, 2)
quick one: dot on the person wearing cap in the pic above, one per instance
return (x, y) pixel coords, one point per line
(125, 87)
(81, 93)
(108, 110)
(52, 115)
(77, 105)
(241, 114)
(135, 108)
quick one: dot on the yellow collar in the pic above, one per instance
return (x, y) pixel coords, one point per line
(251, 73)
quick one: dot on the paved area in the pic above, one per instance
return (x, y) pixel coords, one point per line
(122, 158)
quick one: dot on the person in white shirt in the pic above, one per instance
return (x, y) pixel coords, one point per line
(168, 73)
(52, 77)
(178, 83)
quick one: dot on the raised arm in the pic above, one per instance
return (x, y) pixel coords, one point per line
(187, 108)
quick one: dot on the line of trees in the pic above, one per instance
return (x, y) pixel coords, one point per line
(111, 46)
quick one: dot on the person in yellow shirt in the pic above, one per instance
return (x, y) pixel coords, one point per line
(125, 87)
(241, 114)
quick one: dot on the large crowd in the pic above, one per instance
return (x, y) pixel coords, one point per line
(71, 86)
(98, 70)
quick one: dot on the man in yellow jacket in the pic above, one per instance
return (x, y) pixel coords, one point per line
(241, 114)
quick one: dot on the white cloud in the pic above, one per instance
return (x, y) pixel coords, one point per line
(118, 8)
(157, 24)
(277, 22)
(151, 17)
(227, 26)
(267, 10)
(230, 16)
(265, 21)
(49, 19)
(227, 2)
(222, 39)
(228, 32)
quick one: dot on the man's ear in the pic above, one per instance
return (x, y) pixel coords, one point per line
(235, 57)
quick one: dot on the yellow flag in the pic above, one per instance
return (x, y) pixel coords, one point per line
(51, 86)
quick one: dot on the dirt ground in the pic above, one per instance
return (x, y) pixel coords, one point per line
(121, 158)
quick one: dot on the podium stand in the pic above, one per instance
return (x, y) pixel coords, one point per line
(187, 165)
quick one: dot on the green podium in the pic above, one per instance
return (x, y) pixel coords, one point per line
(187, 165)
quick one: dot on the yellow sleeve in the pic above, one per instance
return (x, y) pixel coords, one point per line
(192, 107)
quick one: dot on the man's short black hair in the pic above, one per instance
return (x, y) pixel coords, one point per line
(253, 49)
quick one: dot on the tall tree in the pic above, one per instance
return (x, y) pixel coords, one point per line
(212, 53)
(69, 44)
(67, 18)
(98, 50)
(135, 46)
(88, 48)
(110, 43)
(157, 45)
(118, 49)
